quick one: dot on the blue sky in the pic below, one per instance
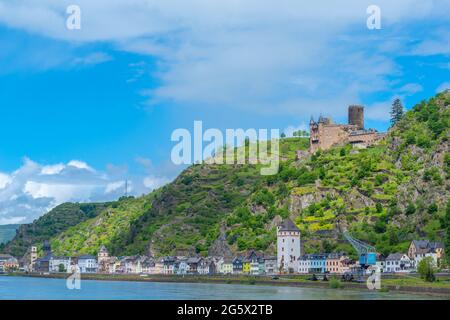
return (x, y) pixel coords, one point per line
(83, 110)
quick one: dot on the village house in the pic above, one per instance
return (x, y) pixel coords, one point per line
(288, 246)
(419, 249)
(381, 263)
(183, 267)
(218, 262)
(203, 267)
(87, 264)
(148, 266)
(270, 265)
(318, 263)
(43, 264)
(169, 265)
(398, 263)
(60, 264)
(8, 262)
(304, 264)
(193, 264)
(227, 266)
(336, 263)
(238, 265)
(159, 266)
(252, 263)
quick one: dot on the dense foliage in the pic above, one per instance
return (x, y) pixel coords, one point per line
(51, 224)
(386, 195)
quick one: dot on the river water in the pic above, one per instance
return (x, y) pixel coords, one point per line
(24, 288)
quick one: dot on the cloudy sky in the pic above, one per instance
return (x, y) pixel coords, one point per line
(83, 110)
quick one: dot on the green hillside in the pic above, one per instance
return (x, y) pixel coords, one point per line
(51, 224)
(386, 195)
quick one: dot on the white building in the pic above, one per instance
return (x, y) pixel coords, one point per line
(304, 264)
(60, 264)
(288, 246)
(270, 265)
(420, 257)
(87, 264)
(398, 263)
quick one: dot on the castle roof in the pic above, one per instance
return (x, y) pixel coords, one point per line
(288, 225)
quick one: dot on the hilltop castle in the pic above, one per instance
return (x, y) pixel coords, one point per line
(324, 134)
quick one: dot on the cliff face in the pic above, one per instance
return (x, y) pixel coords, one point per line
(386, 195)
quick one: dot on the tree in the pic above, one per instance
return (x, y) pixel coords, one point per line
(396, 111)
(427, 269)
(410, 209)
(61, 268)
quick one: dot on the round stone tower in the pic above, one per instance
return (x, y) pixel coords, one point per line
(356, 116)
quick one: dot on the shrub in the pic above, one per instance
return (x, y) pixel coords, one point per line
(410, 209)
(427, 270)
(335, 283)
(379, 207)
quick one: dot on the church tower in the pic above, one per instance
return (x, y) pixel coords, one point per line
(103, 259)
(288, 246)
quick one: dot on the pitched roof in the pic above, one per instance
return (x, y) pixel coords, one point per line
(288, 225)
(425, 246)
(395, 256)
(86, 256)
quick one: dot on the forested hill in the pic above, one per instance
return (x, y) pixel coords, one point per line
(386, 195)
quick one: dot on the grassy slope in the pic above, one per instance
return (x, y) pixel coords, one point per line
(385, 195)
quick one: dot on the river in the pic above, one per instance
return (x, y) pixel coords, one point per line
(24, 288)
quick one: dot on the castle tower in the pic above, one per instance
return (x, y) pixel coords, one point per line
(288, 246)
(356, 116)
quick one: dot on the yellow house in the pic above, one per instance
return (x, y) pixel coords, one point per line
(247, 266)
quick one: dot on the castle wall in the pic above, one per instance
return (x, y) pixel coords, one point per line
(327, 136)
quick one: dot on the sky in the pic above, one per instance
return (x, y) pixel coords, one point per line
(84, 110)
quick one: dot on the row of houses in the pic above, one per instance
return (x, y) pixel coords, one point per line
(340, 263)
(253, 263)
(8, 263)
(289, 260)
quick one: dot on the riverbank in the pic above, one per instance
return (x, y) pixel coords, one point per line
(401, 284)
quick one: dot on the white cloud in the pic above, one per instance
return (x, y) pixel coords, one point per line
(53, 169)
(153, 182)
(410, 88)
(34, 189)
(443, 87)
(4, 180)
(80, 165)
(245, 54)
(92, 59)
(113, 186)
